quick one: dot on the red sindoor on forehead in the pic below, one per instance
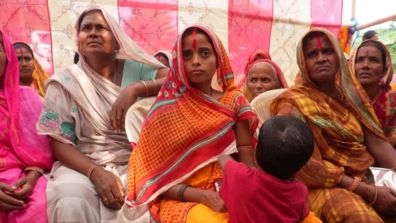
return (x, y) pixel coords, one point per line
(20, 51)
(194, 36)
(318, 42)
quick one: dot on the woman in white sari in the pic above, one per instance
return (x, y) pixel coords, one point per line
(86, 183)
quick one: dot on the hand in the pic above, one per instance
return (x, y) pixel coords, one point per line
(25, 185)
(386, 202)
(109, 188)
(213, 201)
(117, 116)
(7, 201)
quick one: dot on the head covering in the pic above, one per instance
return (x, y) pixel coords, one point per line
(347, 84)
(185, 129)
(128, 48)
(167, 55)
(31, 149)
(39, 75)
(261, 57)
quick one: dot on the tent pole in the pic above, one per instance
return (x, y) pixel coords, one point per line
(376, 22)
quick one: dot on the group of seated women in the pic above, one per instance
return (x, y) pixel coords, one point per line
(67, 158)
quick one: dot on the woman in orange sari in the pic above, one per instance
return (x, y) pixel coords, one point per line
(262, 74)
(173, 170)
(372, 65)
(348, 137)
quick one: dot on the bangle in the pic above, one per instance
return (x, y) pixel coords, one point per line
(90, 171)
(154, 87)
(355, 183)
(375, 195)
(145, 86)
(41, 171)
(180, 192)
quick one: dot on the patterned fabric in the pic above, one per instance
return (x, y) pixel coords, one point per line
(258, 57)
(385, 102)
(20, 145)
(198, 129)
(338, 132)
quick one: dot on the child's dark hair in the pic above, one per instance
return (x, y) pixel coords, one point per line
(285, 144)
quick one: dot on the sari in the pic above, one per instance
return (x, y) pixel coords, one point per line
(76, 112)
(21, 147)
(338, 132)
(199, 128)
(39, 77)
(259, 57)
(385, 101)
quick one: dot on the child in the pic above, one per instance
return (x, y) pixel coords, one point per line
(269, 193)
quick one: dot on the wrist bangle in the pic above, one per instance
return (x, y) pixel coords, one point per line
(41, 171)
(355, 183)
(375, 195)
(145, 86)
(180, 192)
(90, 171)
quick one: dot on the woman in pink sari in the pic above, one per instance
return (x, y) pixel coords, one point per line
(24, 155)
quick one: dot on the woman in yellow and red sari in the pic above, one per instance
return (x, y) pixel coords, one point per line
(347, 135)
(173, 169)
(372, 65)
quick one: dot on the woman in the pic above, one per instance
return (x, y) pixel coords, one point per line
(164, 57)
(347, 134)
(372, 65)
(262, 74)
(86, 184)
(30, 71)
(180, 174)
(24, 155)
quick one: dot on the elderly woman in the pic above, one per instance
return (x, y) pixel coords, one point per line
(173, 171)
(86, 183)
(31, 73)
(262, 74)
(164, 57)
(348, 136)
(372, 66)
(24, 155)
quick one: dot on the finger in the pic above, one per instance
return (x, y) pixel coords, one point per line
(7, 199)
(20, 182)
(10, 207)
(113, 118)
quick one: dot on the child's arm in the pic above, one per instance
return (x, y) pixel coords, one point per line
(223, 159)
(246, 151)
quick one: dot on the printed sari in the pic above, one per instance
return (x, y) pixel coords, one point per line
(385, 102)
(339, 147)
(21, 146)
(183, 134)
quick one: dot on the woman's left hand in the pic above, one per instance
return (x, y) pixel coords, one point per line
(213, 200)
(117, 116)
(25, 185)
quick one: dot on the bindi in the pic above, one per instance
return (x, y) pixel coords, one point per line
(194, 36)
(21, 52)
(367, 53)
(318, 43)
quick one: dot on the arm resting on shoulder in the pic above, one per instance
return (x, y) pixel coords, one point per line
(383, 152)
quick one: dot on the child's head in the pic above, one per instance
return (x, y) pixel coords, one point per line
(285, 144)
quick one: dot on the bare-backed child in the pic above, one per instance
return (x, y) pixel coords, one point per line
(269, 193)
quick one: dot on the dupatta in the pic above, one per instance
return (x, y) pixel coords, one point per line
(185, 129)
(23, 106)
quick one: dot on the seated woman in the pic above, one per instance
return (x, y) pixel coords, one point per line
(173, 168)
(348, 137)
(30, 71)
(164, 57)
(92, 149)
(372, 66)
(262, 74)
(24, 155)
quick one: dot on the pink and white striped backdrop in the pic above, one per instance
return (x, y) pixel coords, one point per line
(243, 25)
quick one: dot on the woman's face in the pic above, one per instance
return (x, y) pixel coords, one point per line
(321, 60)
(95, 37)
(161, 58)
(200, 62)
(261, 78)
(26, 65)
(369, 65)
(3, 60)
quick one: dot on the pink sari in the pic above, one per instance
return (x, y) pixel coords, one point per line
(21, 146)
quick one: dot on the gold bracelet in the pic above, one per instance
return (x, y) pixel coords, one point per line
(154, 88)
(90, 171)
(375, 195)
(355, 183)
(41, 171)
(145, 85)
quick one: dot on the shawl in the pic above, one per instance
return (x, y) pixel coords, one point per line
(385, 102)
(39, 77)
(258, 57)
(80, 88)
(20, 109)
(336, 126)
(167, 54)
(185, 130)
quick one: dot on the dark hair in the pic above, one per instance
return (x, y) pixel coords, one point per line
(23, 45)
(369, 34)
(190, 30)
(377, 45)
(285, 144)
(82, 16)
(76, 58)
